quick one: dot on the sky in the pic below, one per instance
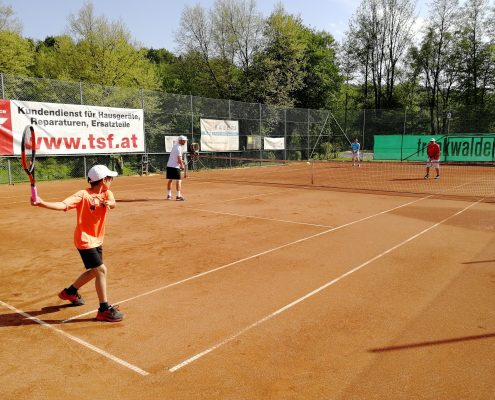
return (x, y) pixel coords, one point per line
(153, 23)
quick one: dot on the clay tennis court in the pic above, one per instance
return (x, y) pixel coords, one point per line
(250, 290)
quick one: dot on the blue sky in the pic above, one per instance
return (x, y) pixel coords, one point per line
(153, 23)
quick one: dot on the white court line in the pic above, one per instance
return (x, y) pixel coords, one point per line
(241, 198)
(310, 294)
(77, 340)
(262, 218)
(251, 257)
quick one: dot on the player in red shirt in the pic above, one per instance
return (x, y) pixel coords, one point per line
(433, 152)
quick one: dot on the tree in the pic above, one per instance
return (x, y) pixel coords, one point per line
(106, 53)
(322, 79)
(225, 39)
(435, 60)
(380, 31)
(279, 66)
(8, 21)
(16, 53)
(477, 65)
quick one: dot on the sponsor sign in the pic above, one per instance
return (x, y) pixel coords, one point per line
(219, 135)
(65, 129)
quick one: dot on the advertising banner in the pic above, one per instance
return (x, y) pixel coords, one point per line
(274, 143)
(458, 147)
(66, 129)
(219, 135)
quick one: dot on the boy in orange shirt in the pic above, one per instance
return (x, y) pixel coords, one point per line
(91, 205)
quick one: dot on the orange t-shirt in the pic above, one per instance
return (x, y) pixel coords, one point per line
(91, 215)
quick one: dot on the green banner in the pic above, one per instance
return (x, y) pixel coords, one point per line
(453, 148)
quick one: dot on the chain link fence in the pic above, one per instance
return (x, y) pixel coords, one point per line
(308, 133)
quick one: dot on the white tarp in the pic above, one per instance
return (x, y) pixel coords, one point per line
(169, 142)
(72, 128)
(274, 143)
(219, 135)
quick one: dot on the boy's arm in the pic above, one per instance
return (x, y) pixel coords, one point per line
(110, 201)
(56, 205)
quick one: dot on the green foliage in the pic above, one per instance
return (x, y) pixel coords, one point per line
(328, 151)
(52, 168)
(279, 68)
(16, 53)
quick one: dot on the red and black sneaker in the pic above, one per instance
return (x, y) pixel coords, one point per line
(111, 314)
(75, 299)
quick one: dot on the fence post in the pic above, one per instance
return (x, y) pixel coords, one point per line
(308, 136)
(261, 144)
(81, 92)
(403, 133)
(364, 125)
(192, 119)
(141, 93)
(85, 166)
(285, 134)
(10, 171)
(3, 89)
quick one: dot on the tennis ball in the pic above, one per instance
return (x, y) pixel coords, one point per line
(307, 162)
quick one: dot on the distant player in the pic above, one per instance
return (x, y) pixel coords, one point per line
(355, 149)
(433, 152)
(175, 165)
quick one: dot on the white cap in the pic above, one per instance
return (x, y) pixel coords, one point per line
(182, 137)
(432, 140)
(99, 172)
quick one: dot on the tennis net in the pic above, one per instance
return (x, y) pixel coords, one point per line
(473, 181)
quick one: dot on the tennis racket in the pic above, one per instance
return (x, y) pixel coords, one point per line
(186, 166)
(28, 149)
(194, 151)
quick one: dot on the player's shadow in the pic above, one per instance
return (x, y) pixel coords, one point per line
(409, 346)
(16, 319)
(479, 262)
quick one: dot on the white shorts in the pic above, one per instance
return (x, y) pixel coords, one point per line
(432, 163)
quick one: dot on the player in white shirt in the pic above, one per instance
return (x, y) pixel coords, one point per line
(174, 166)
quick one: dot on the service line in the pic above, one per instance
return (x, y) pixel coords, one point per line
(310, 294)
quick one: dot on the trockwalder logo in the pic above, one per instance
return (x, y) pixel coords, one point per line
(463, 146)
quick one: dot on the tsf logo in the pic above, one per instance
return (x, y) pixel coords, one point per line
(6, 136)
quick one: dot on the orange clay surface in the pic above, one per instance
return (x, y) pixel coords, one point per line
(251, 291)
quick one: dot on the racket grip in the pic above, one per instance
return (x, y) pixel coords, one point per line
(34, 193)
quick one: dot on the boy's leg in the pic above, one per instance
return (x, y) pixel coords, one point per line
(106, 312)
(101, 283)
(71, 293)
(84, 278)
(169, 189)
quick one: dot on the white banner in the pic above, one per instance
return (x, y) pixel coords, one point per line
(274, 143)
(170, 141)
(219, 135)
(77, 129)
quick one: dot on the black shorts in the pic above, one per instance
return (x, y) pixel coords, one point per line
(173, 173)
(92, 258)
